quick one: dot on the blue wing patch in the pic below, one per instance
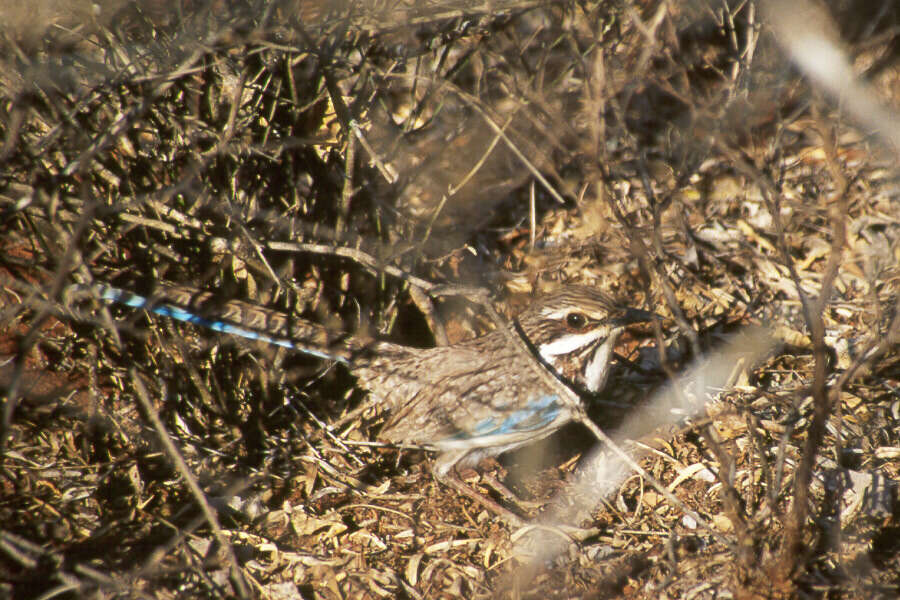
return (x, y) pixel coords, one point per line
(536, 414)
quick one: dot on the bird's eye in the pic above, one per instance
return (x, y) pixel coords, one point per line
(576, 320)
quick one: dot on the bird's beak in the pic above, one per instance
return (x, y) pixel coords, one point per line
(634, 315)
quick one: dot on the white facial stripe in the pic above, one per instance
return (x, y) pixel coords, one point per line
(568, 343)
(596, 371)
(555, 313)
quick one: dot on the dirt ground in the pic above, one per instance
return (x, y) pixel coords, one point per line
(366, 166)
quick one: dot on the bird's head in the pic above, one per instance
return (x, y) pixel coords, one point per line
(575, 330)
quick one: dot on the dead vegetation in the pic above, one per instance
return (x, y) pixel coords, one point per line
(335, 160)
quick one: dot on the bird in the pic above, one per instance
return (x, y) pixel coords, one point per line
(465, 401)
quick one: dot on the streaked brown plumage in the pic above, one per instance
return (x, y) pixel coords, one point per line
(479, 397)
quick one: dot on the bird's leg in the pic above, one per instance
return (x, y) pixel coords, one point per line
(444, 471)
(499, 487)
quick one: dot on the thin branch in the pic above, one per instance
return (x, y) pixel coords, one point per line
(178, 461)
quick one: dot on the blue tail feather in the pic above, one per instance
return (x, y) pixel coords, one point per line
(167, 309)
